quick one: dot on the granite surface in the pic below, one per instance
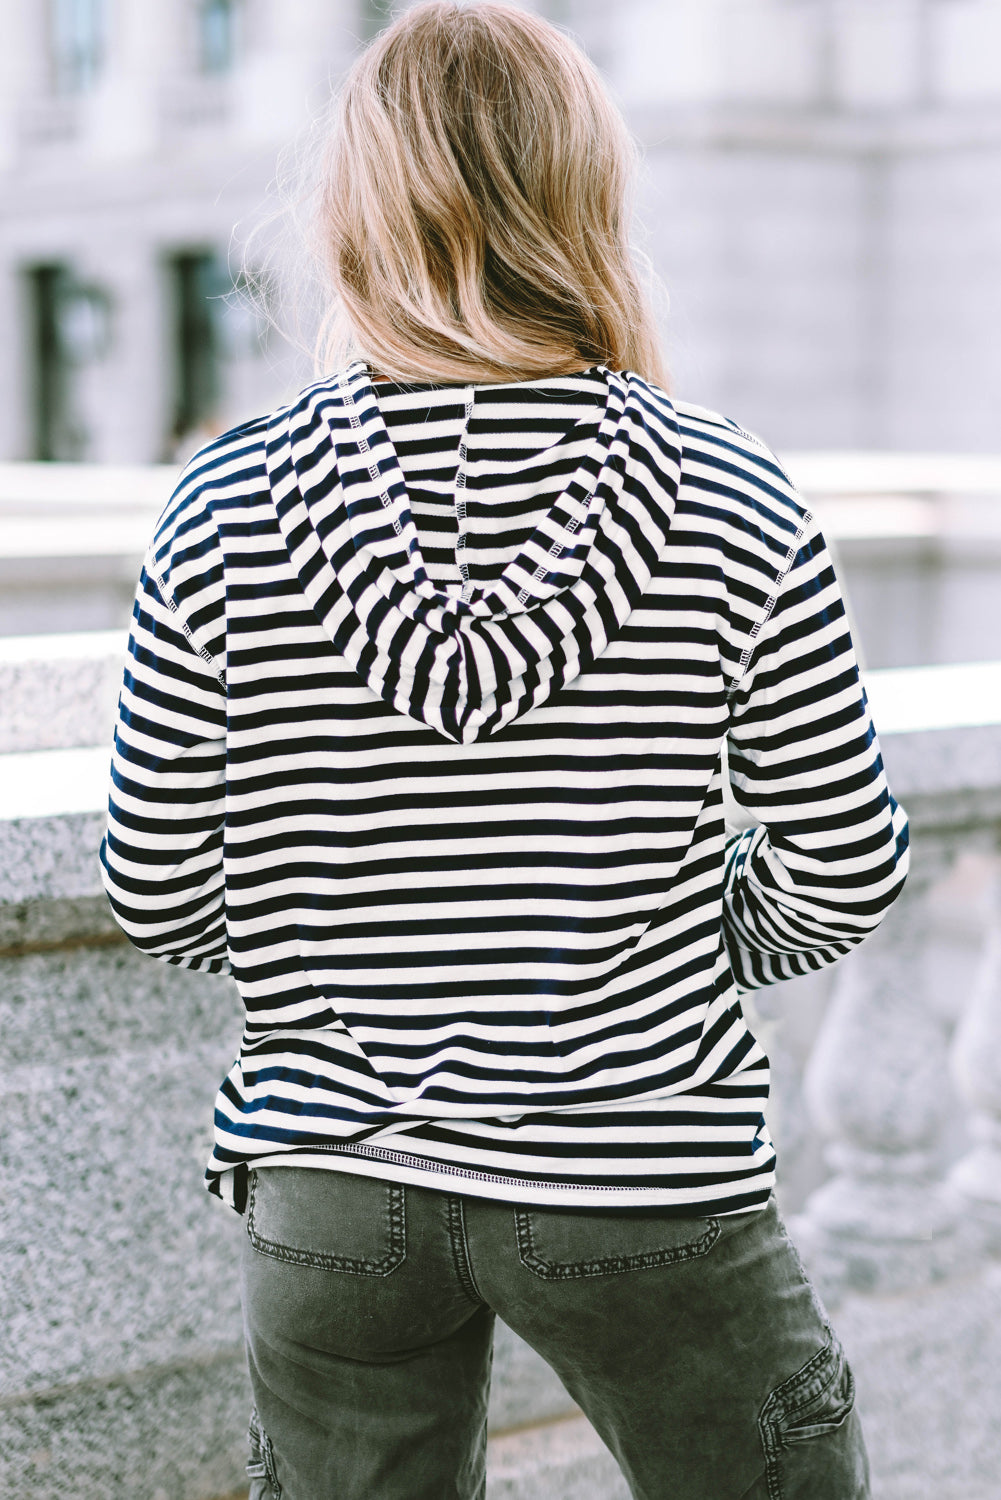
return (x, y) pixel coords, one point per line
(121, 1373)
(945, 763)
(67, 1006)
(65, 694)
(161, 1434)
(929, 1387)
(50, 858)
(113, 1258)
(78, 921)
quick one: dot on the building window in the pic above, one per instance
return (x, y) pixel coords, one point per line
(375, 15)
(70, 326)
(199, 282)
(76, 44)
(217, 35)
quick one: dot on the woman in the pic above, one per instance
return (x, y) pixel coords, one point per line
(421, 740)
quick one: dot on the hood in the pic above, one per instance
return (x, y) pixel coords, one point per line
(469, 663)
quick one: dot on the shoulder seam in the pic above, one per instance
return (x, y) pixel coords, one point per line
(168, 598)
(770, 603)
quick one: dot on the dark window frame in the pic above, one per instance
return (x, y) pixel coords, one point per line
(77, 43)
(218, 34)
(198, 278)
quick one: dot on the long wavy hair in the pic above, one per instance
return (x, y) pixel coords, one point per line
(473, 211)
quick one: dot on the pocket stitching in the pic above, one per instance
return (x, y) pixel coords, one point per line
(262, 1458)
(782, 1406)
(608, 1265)
(394, 1257)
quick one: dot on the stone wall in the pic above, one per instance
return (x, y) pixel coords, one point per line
(121, 1367)
(122, 1376)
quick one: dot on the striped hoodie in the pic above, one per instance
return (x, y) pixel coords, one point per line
(422, 740)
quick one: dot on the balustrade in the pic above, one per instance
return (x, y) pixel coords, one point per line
(976, 1069)
(906, 1066)
(902, 1085)
(877, 1086)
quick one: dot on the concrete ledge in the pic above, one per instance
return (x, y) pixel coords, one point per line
(50, 783)
(947, 776)
(165, 1434)
(66, 923)
(121, 1374)
(940, 730)
(50, 858)
(60, 690)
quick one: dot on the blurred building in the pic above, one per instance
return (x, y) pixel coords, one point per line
(821, 198)
(133, 138)
(824, 201)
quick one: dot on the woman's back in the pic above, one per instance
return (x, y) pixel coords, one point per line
(475, 652)
(422, 739)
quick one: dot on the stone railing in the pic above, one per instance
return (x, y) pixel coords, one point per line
(122, 1372)
(903, 1086)
(902, 1081)
(72, 537)
(121, 1377)
(918, 538)
(918, 542)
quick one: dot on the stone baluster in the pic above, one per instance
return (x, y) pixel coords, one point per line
(877, 1088)
(976, 1070)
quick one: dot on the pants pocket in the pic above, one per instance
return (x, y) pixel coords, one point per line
(562, 1245)
(261, 1465)
(333, 1221)
(816, 1406)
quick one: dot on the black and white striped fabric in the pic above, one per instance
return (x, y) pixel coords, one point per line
(421, 739)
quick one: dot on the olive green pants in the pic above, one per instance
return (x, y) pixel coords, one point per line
(697, 1347)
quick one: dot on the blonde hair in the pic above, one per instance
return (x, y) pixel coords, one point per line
(473, 210)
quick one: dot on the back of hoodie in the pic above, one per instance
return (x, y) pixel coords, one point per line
(421, 740)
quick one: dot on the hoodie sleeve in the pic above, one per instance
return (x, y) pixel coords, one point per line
(830, 853)
(162, 854)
